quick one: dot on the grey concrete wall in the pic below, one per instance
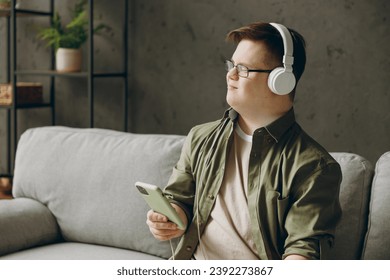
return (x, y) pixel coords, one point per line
(343, 99)
(177, 75)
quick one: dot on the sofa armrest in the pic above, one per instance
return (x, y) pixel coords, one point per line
(25, 223)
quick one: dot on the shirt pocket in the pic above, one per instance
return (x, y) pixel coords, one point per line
(280, 206)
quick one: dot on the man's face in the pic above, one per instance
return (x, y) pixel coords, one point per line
(250, 94)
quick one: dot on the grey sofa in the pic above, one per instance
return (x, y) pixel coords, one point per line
(74, 197)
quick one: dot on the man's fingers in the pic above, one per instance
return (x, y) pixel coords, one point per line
(158, 221)
(163, 231)
(156, 217)
(161, 225)
(163, 235)
(161, 228)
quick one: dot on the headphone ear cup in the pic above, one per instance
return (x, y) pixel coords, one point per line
(280, 81)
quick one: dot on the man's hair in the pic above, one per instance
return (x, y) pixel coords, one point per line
(266, 33)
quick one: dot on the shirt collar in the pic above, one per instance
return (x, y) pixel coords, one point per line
(231, 114)
(276, 129)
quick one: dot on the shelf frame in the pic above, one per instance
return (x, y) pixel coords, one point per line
(13, 73)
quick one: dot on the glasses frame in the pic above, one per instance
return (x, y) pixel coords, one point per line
(242, 70)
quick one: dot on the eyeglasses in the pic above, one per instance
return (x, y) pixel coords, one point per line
(242, 70)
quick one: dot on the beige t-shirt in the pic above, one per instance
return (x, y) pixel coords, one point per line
(228, 234)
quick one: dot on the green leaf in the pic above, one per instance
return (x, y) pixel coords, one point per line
(74, 34)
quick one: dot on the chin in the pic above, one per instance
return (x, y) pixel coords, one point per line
(234, 105)
(229, 99)
(232, 98)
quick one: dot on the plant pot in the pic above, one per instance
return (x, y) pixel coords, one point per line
(68, 60)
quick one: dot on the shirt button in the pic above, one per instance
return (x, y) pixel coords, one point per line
(189, 248)
(210, 196)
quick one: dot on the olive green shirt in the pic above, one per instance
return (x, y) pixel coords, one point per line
(293, 187)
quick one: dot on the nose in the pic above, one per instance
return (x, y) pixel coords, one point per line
(232, 74)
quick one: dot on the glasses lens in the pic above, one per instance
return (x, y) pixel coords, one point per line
(229, 65)
(242, 71)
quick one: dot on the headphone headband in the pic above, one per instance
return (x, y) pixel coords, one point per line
(282, 80)
(288, 58)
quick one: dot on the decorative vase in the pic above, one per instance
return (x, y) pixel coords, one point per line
(68, 60)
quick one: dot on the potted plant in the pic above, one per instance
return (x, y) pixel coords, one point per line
(67, 40)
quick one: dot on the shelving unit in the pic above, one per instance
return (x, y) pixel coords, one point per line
(90, 75)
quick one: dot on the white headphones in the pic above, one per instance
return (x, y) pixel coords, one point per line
(282, 80)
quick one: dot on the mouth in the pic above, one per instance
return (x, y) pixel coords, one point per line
(230, 87)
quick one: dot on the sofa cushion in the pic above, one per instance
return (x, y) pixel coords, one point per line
(378, 238)
(86, 178)
(25, 223)
(77, 251)
(354, 199)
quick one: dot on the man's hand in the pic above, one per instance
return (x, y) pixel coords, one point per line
(161, 228)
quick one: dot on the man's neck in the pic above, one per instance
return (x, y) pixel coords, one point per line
(249, 123)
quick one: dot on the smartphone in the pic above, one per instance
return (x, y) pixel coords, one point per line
(159, 203)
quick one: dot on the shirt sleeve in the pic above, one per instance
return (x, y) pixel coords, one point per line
(314, 214)
(180, 189)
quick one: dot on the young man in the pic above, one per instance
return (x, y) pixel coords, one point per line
(254, 185)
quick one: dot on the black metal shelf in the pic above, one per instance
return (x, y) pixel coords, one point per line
(69, 74)
(33, 12)
(23, 12)
(51, 73)
(13, 73)
(5, 12)
(27, 106)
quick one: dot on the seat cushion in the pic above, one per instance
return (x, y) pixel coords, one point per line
(86, 179)
(378, 234)
(354, 199)
(77, 251)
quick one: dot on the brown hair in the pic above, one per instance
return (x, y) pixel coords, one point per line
(261, 31)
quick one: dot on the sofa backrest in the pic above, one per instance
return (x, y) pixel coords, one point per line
(86, 178)
(354, 199)
(377, 243)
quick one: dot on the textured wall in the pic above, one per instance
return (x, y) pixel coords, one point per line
(177, 75)
(343, 99)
